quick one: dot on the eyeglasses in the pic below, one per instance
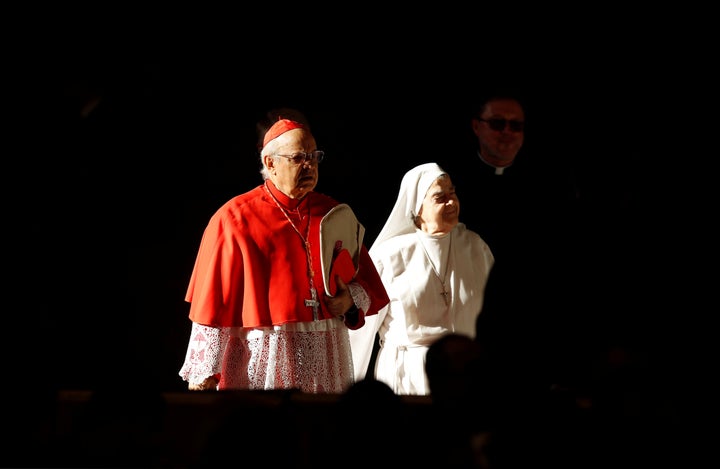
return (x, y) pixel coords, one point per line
(499, 125)
(301, 157)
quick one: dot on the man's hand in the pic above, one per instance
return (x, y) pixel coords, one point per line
(207, 384)
(342, 301)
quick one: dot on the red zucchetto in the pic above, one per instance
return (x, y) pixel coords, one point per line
(279, 128)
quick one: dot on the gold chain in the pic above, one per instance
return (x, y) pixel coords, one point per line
(305, 238)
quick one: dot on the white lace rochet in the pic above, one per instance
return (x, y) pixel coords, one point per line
(314, 357)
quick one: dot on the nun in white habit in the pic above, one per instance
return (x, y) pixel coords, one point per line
(435, 271)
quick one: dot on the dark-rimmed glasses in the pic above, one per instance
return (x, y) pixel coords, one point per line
(301, 157)
(499, 125)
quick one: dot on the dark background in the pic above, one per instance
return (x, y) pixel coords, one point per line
(105, 211)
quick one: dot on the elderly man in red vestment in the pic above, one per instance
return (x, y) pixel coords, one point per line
(267, 311)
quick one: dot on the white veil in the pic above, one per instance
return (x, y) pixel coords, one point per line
(413, 188)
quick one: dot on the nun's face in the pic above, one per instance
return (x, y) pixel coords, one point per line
(441, 208)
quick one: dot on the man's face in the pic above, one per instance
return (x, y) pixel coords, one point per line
(500, 131)
(292, 178)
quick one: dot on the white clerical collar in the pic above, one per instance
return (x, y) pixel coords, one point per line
(499, 170)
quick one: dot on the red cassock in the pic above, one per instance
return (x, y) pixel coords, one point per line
(252, 267)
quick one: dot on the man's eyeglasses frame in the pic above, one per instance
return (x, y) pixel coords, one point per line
(499, 125)
(315, 156)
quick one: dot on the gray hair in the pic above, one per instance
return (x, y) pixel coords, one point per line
(269, 149)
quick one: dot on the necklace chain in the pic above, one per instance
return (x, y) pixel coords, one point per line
(442, 279)
(306, 244)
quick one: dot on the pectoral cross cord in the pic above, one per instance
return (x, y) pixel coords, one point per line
(313, 300)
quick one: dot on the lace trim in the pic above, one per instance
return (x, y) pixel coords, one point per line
(314, 357)
(360, 296)
(202, 360)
